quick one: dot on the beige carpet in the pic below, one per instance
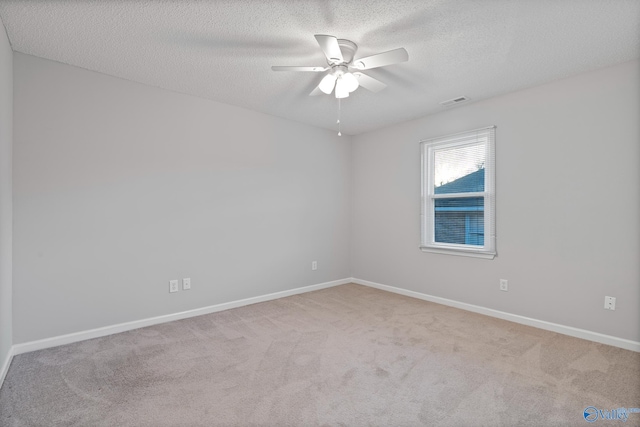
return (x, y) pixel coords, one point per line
(344, 356)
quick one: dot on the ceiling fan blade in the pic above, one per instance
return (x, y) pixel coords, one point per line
(330, 47)
(381, 59)
(287, 68)
(369, 83)
(316, 91)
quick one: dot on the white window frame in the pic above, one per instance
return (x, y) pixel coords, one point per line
(428, 149)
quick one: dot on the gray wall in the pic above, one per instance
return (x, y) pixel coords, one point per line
(568, 204)
(120, 187)
(6, 142)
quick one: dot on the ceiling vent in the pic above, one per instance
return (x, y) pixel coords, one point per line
(454, 101)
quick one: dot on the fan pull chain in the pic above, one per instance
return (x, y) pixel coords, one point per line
(339, 111)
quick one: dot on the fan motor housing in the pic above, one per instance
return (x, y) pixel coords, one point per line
(348, 49)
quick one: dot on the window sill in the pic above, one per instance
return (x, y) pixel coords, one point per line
(459, 252)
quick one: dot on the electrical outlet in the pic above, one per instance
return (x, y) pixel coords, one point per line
(173, 286)
(504, 285)
(609, 303)
(314, 265)
(186, 284)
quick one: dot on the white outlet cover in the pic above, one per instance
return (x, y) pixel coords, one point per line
(314, 265)
(186, 284)
(173, 286)
(609, 303)
(504, 285)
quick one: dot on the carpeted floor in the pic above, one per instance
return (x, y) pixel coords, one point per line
(343, 356)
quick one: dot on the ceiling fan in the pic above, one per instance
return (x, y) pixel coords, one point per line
(345, 73)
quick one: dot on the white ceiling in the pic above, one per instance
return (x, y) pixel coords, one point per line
(223, 50)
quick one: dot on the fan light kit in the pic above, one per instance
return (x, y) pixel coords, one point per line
(343, 81)
(344, 73)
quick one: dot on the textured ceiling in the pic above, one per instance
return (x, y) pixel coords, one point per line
(223, 50)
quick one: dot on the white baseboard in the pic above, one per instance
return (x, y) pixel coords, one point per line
(5, 365)
(122, 327)
(541, 324)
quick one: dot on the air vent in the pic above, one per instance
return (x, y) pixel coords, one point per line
(454, 101)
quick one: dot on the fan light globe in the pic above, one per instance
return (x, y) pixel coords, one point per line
(327, 83)
(341, 88)
(350, 81)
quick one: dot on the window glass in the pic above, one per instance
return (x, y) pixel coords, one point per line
(458, 200)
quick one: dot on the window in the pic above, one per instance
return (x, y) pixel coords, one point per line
(458, 194)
